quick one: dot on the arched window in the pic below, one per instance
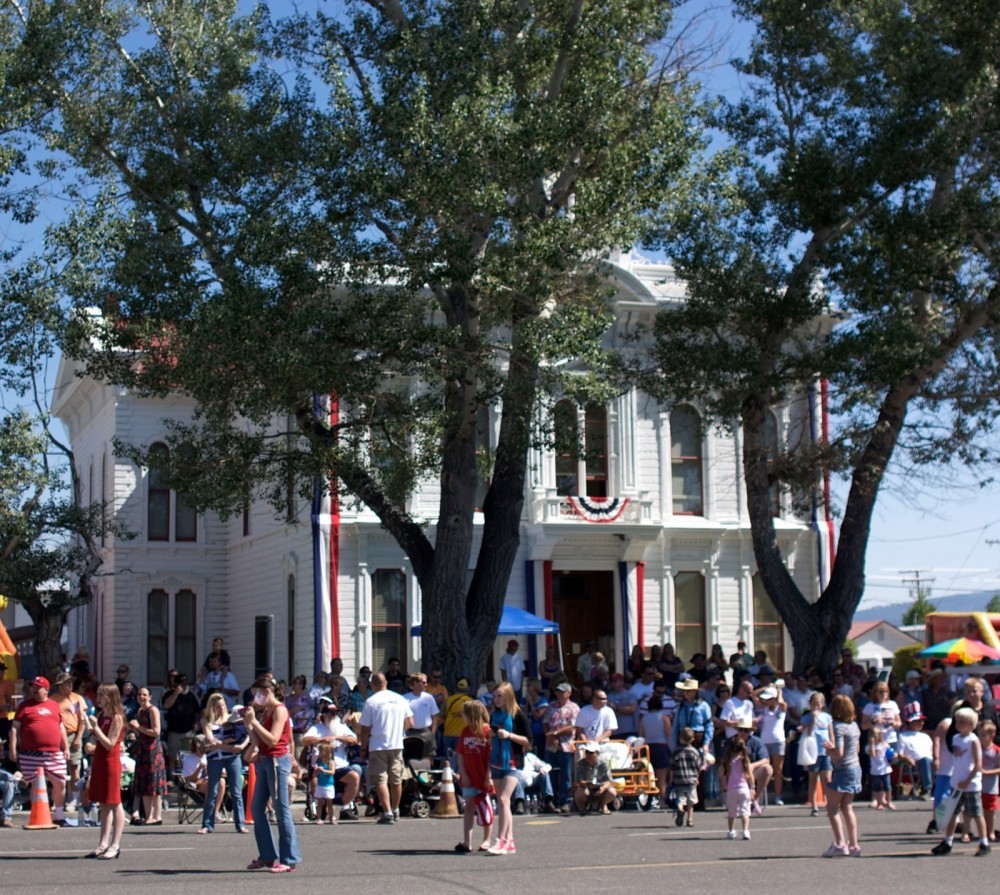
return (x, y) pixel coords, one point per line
(768, 631)
(685, 461)
(581, 459)
(771, 440)
(689, 613)
(158, 499)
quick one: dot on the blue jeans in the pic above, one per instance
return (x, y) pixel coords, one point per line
(272, 783)
(923, 771)
(8, 789)
(233, 767)
(562, 762)
(540, 786)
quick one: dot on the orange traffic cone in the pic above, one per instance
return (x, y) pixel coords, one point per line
(819, 794)
(41, 817)
(248, 800)
(447, 805)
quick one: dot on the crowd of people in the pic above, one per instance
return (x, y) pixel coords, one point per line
(713, 730)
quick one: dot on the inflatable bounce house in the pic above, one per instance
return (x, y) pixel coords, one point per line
(8, 668)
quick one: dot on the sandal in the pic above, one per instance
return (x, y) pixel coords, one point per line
(258, 864)
(463, 849)
(203, 831)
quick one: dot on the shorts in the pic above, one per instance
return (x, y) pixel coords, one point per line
(75, 755)
(500, 773)
(823, 763)
(340, 773)
(775, 749)
(971, 803)
(324, 792)
(990, 801)
(686, 793)
(881, 782)
(738, 802)
(659, 755)
(385, 765)
(847, 780)
(470, 792)
(53, 764)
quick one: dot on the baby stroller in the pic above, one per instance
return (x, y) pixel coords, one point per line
(420, 782)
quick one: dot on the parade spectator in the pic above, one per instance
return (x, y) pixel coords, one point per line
(974, 688)
(967, 777)
(424, 712)
(473, 749)
(916, 750)
(843, 749)
(636, 659)
(622, 701)
(987, 731)
(72, 713)
(642, 689)
(130, 700)
(121, 677)
(586, 661)
(738, 785)
(935, 699)
(669, 665)
(221, 653)
(272, 735)
(10, 776)
(817, 723)
(511, 739)
(912, 691)
(741, 660)
(512, 666)
(454, 719)
(548, 667)
(337, 671)
(395, 680)
(384, 720)
(360, 691)
(223, 739)
(217, 679)
(759, 764)
(150, 769)
(105, 786)
(596, 722)
(300, 709)
(655, 729)
(317, 689)
(38, 741)
(560, 726)
(772, 734)
(535, 704)
(182, 709)
(593, 788)
(685, 767)
(739, 707)
(332, 731)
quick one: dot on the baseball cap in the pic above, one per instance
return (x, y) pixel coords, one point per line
(41, 682)
(564, 688)
(768, 693)
(912, 674)
(591, 747)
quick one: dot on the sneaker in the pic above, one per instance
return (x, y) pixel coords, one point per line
(855, 852)
(282, 868)
(746, 835)
(510, 850)
(498, 848)
(518, 808)
(731, 834)
(932, 827)
(395, 814)
(780, 802)
(814, 812)
(836, 851)
(565, 809)
(757, 810)
(386, 819)
(679, 820)
(983, 849)
(349, 814)
(942, 848)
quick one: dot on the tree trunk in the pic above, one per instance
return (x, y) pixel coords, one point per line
(48, 621)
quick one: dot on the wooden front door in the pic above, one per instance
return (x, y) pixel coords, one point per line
(583, 607)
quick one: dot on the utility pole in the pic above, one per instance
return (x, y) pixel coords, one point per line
(920, 591)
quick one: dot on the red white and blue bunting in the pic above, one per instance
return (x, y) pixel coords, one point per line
(598, 509)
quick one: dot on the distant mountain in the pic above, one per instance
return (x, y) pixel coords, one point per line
(893, 612)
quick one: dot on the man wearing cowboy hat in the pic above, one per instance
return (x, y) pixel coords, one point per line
(693, 712)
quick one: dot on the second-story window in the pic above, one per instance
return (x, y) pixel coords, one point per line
(581, 459)
(685, 461)
(169, 516)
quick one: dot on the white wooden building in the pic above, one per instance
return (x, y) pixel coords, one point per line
(647, 542)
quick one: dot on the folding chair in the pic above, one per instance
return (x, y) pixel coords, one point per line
(190, 802)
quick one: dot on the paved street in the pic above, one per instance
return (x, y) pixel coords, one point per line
(629, 850)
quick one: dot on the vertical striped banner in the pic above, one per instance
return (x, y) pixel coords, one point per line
(822, 518)
(325, 520)
(631, 582)
(529, 604)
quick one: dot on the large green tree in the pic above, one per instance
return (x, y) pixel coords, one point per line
(402, 206)
(848, 230)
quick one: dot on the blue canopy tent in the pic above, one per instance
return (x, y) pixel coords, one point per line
(519, 621)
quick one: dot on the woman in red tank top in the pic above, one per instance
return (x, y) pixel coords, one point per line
(270, 727)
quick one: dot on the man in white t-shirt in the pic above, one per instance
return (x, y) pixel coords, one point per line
(330, 729)
(739, 707)
(512, 666)
(384, 721)
(425, 710)
(596, 722)
(642, 689)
